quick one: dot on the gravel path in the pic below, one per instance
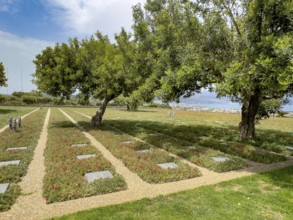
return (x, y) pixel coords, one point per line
(22, 117)
(32, 206)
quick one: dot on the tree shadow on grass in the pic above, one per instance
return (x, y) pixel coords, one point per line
(6, 111)
(62, 124)
(269, 139)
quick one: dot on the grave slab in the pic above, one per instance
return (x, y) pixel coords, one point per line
(11, 162)
(17, 148)
(289, 148)
(127, 142)
(85, 156)
(3, 187)
(79, 145)
(143, 151)
(168, 165)
(91, 177)
(191, 147)
(220, 159)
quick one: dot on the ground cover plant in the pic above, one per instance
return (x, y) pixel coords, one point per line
(145, 165)
(202, 156)
(26, 136)
(14, 112)
(201, 129)
(65, 174)
(262, 196)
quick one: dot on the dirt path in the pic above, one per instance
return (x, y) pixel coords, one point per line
(22, 117)
(33, 206)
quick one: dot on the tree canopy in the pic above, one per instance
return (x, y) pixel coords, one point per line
(242, 49)
(3, 79)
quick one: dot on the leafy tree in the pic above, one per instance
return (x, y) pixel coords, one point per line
(56, 68)
(167, 33)
(260, 63)
(3, 79)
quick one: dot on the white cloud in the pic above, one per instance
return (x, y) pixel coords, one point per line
(7, 5)
(85, 17)
(17, 54)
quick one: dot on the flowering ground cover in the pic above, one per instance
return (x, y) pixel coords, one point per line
(125, 148)
(65, 174)
(6, 111)
(202, 156)
(26, 136)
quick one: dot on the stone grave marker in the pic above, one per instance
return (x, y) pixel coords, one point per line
(143, 151)
(127, 142)
(3, 187)
(85, 156)
(79, 145)
(17, 148)
(11, 162)
(91, 177)
(168, 165)
(289, 148)
(220, 159)
(191, 147)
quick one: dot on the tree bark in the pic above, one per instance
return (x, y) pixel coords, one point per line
(248, 113)
(97, 119)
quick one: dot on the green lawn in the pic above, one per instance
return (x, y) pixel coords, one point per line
(262, 196)
(6, 111)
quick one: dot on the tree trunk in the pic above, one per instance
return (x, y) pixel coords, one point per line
(97, 119)
(248, 112)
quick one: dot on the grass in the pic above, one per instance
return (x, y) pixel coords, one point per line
(262, 196)
(26, 136)
(144, 164)
(274, 134)
(14, 112)
(64, 178)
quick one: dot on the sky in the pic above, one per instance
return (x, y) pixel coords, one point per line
(29, 26)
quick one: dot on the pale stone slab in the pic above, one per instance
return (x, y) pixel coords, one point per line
(289, 148)
(3, 187)
(12, 162)
(143, 151)
(85, 156)
(17, 148)
(127, 142)
(168, 165)
(79, 145)
(220, 159)
(191, 147)
(152, 134)
(91, 177)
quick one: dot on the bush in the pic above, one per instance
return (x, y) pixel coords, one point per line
(2, 98)
(29, 99)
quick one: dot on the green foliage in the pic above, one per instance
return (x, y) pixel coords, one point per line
(3, 79)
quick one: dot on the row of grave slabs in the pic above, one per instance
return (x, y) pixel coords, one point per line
(93, 176)
(4, 186)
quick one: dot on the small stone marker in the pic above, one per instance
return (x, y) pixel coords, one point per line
(85, 156)
(152, 134)
(191, 147)
(289, 148)
(127, 142)
(220, 159)
(10, 122)
(3, 187)
(143, 151)
(91, 177)
(14, 125)
(17, 148)
(79, 145)
(168, 165)
(12, 162)
(19, 121)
